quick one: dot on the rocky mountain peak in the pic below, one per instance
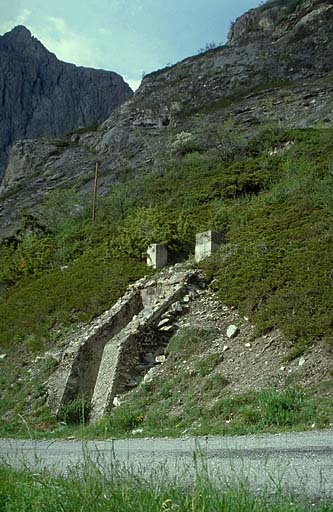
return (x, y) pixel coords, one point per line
(20, 39)
(19, 34)
(43, 96)
(21, 43)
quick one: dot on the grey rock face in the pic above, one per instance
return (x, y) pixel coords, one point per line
(274, 19)
(42, 96)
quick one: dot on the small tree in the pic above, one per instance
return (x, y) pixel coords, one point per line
(208, 46)
(227, 139)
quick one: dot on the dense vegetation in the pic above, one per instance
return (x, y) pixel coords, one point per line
(272, 196)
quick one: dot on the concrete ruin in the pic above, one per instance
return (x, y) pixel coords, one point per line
(157, 256)
(207, 243)
(109, 356)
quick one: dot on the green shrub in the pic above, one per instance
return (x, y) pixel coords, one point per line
(205, 366)
(280, 407)
(75, 411)
(91, 284)
(189, 340)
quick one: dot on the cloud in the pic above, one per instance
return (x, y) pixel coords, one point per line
(68, 44)
(21, 19)
(58, 37)
(104, 31)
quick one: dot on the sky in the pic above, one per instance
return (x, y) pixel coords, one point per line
(131, 37)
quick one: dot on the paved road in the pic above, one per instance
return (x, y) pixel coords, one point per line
(299, 462)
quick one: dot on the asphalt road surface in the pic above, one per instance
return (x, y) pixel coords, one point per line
(300, 463)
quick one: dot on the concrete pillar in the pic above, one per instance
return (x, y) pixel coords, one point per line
(207, 243)
(157, 256)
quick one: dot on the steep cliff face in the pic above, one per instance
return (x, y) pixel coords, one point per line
(40, 95)
(276, 67)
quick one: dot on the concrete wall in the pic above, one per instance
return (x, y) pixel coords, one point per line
(77, 372)
(108, 356)
(122, 365)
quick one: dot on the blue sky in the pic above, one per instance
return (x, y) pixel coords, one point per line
(131, 37)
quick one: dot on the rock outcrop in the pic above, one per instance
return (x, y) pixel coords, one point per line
(276, 67)
(42, 96)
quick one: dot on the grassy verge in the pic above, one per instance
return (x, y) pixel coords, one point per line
(88, 488)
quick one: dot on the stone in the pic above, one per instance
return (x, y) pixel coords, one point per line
(160, 359)
(116, 402)
(150, 375)
(301, 361)
(3, 357)
(149, 358)
(165, 321)
(232, 331)
(248, 345)
(157, 256)
(207, 243)
(137, 431)
(167, 328)
(56, 356)
(225, 348)
(177, 307)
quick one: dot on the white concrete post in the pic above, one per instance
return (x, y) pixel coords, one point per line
(207, 243)
(157, 256)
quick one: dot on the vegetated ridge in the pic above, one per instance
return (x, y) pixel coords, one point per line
(237, 139)
(41, 95)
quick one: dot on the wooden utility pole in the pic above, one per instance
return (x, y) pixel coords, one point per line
(95, 193)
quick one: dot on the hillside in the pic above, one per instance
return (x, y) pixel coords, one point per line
(41, 95)
(210, 143)
(276, 67)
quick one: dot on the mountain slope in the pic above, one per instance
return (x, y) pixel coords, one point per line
(277, 66)
(41, 95)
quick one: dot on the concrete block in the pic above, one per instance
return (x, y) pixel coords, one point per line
(207, 243)
(157, 256)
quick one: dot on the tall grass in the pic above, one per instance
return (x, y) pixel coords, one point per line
(95, 489)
